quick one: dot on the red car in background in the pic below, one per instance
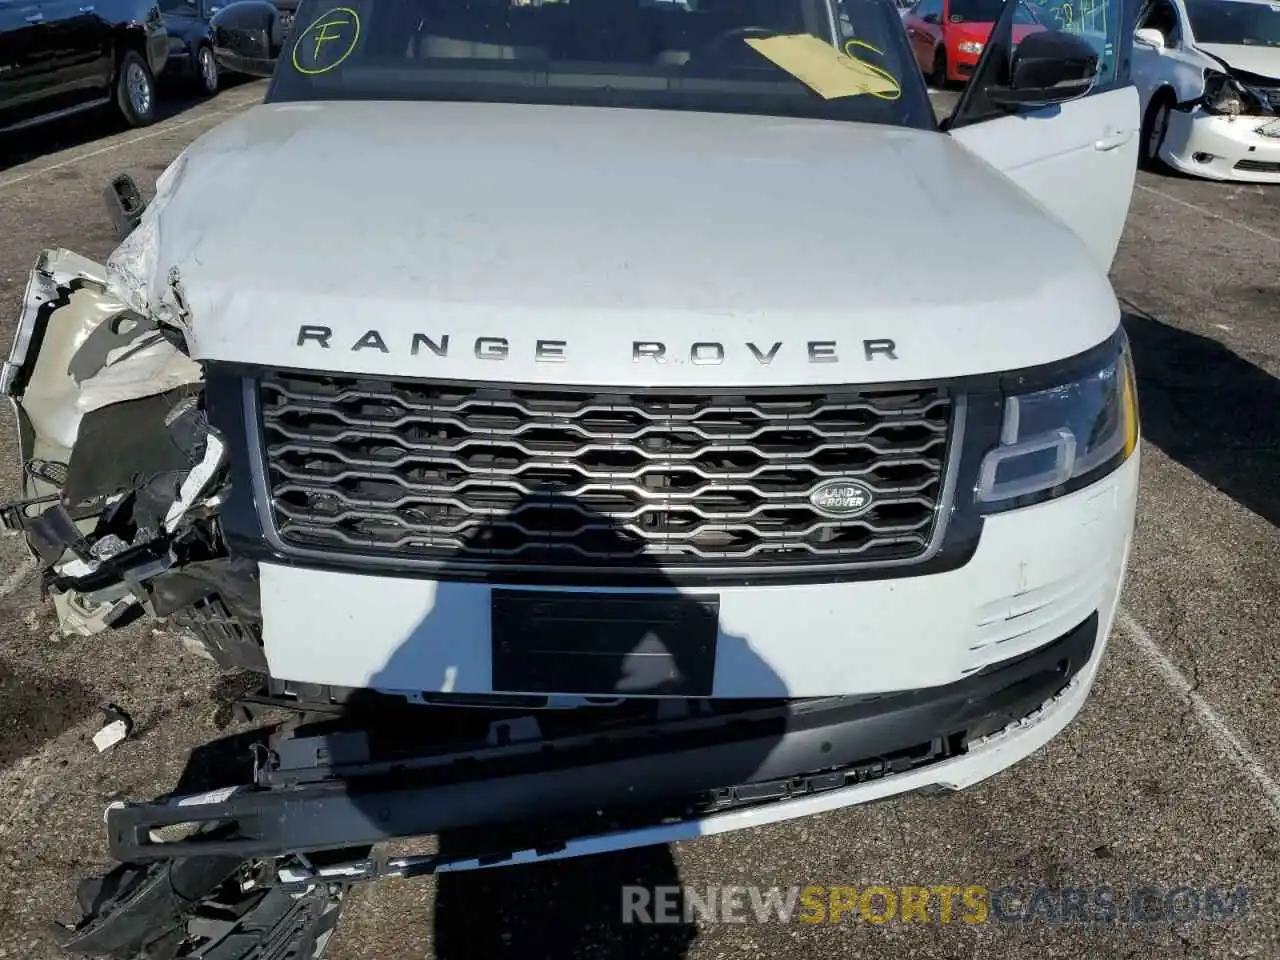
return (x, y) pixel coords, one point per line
(947, 36)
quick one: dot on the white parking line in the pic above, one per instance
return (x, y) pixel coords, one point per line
(1209, 213)
(158, 131)
(1224, 739)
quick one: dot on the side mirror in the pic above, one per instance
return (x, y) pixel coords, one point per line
(1149, 37)
(246, 37)
(1048, 66)
(124, 204)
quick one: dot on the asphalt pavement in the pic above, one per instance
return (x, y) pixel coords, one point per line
(1170, 777)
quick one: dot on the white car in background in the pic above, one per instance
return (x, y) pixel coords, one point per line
(1208, 75)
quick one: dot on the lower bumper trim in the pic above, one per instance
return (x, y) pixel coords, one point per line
(335, 790)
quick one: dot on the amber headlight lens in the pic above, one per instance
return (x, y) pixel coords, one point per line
(1057, 440)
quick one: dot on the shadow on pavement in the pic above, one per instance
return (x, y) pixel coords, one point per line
(569, 908)
(556, 909)
(23, 146)
(1210, 410)
(36, 708)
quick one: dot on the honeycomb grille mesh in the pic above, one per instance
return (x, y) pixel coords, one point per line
(561, 477)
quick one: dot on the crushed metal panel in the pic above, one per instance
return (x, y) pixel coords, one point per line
(146, 447)
(55, 270)
(80, 348)
(65, 303)
(80, 617)
(82, 367)
(150, 365)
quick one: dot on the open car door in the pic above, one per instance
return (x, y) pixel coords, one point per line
(1077, 158)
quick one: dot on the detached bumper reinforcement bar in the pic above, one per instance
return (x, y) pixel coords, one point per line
(678, 769)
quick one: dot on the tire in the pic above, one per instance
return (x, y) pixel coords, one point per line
(938, 78)
(1155, 126)
(206, 70)
(135, 90)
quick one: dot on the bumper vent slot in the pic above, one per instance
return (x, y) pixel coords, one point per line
(534, 477)
(1259, 166)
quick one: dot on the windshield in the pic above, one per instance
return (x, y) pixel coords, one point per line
(985, 11)
(772, 57)
(1235, 22)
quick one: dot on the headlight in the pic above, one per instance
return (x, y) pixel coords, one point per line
(1056, 440)
(1224, 95)
(969, 46)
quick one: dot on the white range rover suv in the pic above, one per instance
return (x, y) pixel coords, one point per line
(537, 396)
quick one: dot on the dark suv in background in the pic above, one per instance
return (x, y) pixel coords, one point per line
(191, 41)
(193, 35)
(59, 57)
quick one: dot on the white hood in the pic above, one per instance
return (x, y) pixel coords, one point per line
(1254, 59)
(598, 228)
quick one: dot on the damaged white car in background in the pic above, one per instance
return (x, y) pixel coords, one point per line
(1208, 73)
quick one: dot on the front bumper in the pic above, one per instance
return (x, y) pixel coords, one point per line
(1222, 148)
(1035, 574)
(615, 784)
(960, 65)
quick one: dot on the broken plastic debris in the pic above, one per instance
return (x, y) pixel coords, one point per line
(108, 547)
(75, 567)
(822, 67)
(196, 481)
(119, 725)
(110, 735)
(220, 795)
(78, 616)
(173, 832)
(134, 372)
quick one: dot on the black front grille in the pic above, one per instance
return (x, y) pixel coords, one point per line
(568, 477)
(1259, 166)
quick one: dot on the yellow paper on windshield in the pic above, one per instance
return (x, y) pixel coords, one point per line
(822, 67)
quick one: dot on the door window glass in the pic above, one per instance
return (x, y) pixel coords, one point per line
(1097, 21)
(1160, 15)
(926, 7)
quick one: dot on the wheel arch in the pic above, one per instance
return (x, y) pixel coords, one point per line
(128, 38)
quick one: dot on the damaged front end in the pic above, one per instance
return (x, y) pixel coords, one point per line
(126, 506)
(121, 474)
(1232, 95)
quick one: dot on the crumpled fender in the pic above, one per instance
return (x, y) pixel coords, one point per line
(1188, 75)
(144, 270)
(1189, 72)
(133, 272)
(79, 348)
